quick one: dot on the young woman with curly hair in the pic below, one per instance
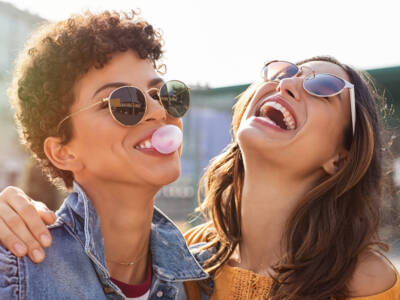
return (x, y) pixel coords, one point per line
(88, 98)
(293, 202)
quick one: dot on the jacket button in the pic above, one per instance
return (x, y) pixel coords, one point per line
(159, 294)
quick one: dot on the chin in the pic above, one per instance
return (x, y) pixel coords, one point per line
(165, 176)
(251, 140)
(258, 148)
(161, 181)
(172, 178)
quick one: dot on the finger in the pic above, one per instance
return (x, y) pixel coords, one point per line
(31, 219)
(15, 226)
(47, 215)
(18, 227)
(10, 241)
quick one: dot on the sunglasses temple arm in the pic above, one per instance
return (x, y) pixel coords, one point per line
(81, 110)
(353, 108)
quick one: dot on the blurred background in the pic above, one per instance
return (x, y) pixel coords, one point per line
(218, 48)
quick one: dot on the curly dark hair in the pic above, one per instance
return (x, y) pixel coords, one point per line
(55, 57)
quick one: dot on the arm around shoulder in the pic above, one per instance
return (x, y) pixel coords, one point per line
(10, 275)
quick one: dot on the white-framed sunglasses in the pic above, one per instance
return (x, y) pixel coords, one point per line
(319, 85)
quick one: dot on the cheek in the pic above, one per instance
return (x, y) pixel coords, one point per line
(97, 134)
(179, 123)
(326, 131)
(323, 116)
(243, 124)
(175, 121)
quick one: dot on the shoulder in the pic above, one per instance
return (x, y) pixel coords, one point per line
(9, 275)
(198, 234)
(373, 275)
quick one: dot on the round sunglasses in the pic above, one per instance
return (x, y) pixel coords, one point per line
(319, 85)
(128, 105)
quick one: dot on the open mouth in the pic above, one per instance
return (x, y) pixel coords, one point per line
(276, 114)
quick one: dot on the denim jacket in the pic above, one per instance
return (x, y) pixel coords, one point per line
(75, 266)
(201, 256)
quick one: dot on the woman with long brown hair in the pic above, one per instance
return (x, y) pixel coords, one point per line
(295, 199)
(293, 202)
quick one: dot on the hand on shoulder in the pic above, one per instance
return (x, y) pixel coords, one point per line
(373, 275)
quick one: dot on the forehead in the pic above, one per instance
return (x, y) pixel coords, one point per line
(125, 67)
(325, 67)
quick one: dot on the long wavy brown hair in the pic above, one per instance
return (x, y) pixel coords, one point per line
(334, 223)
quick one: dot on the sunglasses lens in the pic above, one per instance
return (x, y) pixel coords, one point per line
(324, 85)
(279, 70)
(175, 98)
(128, 105)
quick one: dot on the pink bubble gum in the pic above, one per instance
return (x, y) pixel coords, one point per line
(167, 139)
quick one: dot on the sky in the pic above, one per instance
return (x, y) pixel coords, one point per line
(221, 43)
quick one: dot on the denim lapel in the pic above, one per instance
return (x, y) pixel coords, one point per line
(172, 260)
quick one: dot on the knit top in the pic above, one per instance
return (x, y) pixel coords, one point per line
(237, 283)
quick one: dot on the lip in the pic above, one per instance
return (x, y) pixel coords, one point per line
(146, 137)
(281, 101)
(152, 150)
(262, 122)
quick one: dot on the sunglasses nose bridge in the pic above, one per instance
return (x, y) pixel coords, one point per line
(155, 110)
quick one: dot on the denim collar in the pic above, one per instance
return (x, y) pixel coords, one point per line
(171, 258)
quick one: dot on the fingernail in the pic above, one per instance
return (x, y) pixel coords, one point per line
(19, 248)
(37, 255)
(45, 240)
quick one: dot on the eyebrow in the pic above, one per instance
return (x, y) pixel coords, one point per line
(151, 83)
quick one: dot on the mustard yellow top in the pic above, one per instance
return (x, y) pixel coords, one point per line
(237, 283)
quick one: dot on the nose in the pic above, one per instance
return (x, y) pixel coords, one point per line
(290, 87)
(155, 111)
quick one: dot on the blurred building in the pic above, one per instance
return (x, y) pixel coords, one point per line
(15, 26)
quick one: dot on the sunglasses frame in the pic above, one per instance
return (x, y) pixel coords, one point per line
(313, 75)
(107, 99)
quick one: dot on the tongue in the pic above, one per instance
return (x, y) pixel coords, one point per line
(167, 139)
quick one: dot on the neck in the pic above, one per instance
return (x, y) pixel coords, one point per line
(269, 197)
(125, 212)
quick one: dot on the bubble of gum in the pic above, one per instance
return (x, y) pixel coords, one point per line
(167, 139)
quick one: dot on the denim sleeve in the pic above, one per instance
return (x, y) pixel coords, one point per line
(9, 276)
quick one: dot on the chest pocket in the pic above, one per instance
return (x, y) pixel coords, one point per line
(164, 292)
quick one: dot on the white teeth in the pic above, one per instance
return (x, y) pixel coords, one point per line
(287, 116)
(144, 145)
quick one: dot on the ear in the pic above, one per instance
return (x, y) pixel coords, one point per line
(335, 163)
(61, 156)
